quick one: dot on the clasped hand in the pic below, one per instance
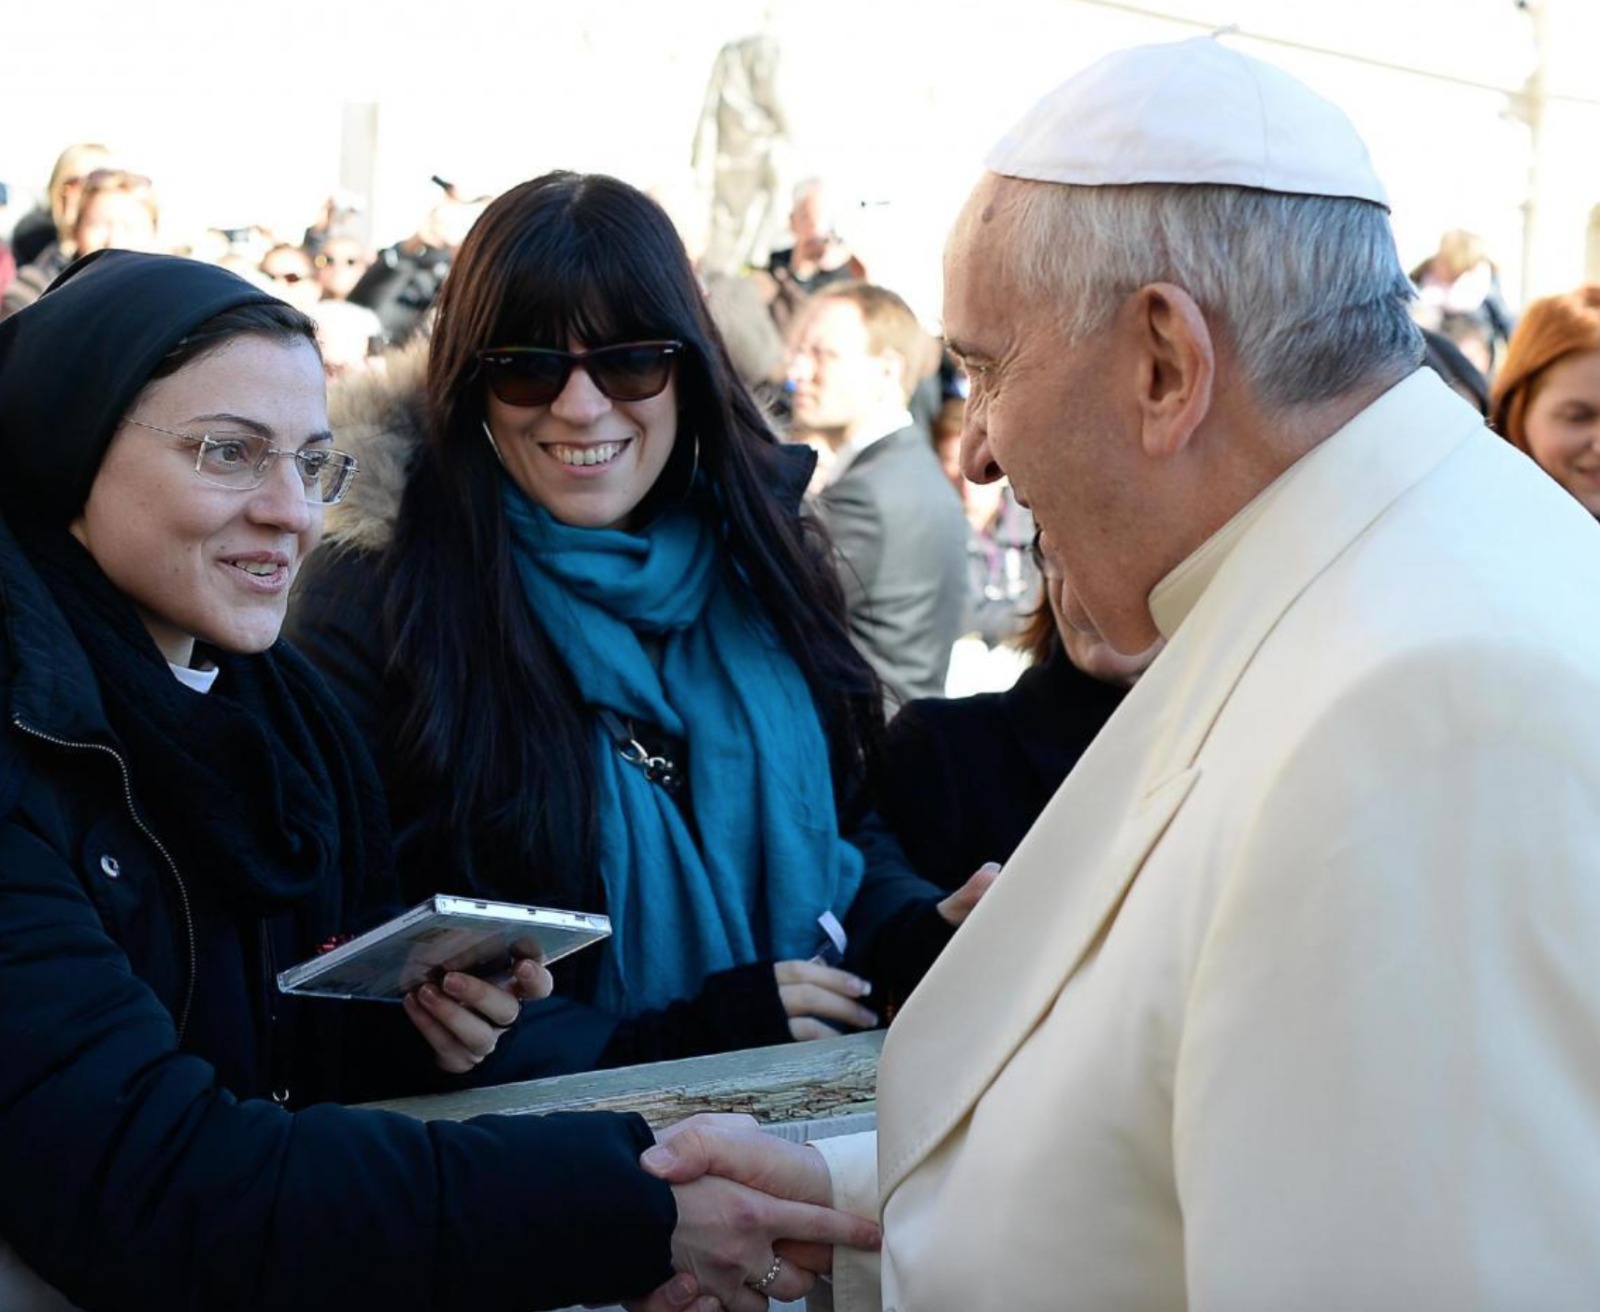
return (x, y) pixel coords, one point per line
(752, 1211)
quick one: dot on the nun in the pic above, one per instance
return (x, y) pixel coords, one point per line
(184, 811)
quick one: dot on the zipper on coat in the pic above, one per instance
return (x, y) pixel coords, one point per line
(172, 866)
(277, 1061)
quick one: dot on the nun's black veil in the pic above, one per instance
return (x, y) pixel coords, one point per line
(73, 361)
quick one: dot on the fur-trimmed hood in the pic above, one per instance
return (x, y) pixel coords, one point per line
(379, 417)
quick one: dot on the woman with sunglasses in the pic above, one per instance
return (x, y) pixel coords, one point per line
(601, 657)
(183, 810)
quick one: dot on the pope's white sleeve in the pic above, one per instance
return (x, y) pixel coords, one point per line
(857, 1277)
(1388, 1089)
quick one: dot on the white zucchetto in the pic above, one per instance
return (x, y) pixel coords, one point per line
(1189, 112)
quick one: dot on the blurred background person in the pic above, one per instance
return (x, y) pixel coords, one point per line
(339, 211)
(404, 280)
(1446, 359)
(340, 262)
(1459, 296)
(292, 276)
(965, 777)
(817, 256)
(896, 523)
(1546, 398)
(8, 263)
(818, 253)
(51, 223)
(739, 308)
(346, 334)
(115, 209)
(1002, 574)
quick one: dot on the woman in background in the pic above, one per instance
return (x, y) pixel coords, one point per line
(1546, 398)
(111, 209)
(50, 225)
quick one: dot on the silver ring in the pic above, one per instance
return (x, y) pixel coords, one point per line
(773, 1272)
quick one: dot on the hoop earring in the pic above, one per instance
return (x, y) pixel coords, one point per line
(694, 469)
(493, 445)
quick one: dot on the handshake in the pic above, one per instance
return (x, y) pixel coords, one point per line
(754, 1220)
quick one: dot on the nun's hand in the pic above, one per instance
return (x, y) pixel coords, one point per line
(462, 1017)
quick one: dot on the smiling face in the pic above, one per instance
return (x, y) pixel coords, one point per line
(1563, 425)
(1044, 411)
(199, 561)
(585, 458)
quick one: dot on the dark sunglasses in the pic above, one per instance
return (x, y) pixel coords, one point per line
(535, 375)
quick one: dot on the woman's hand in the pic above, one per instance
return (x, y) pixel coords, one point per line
(958, 906)
(814, 994)
(462, 1017)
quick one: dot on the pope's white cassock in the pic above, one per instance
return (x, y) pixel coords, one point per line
(1291, 998)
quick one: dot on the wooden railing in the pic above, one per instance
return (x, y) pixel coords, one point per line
(800, 1090)
(821, 1081)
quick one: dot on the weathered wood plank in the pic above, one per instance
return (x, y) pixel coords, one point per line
(800, 1090)
(814, 1081)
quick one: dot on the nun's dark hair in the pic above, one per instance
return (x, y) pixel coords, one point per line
(493, 720)
(275, 320)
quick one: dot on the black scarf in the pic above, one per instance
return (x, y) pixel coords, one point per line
(254, 786)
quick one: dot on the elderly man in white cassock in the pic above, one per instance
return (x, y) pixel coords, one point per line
(1291, 998)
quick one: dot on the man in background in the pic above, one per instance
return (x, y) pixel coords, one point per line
(858, 354)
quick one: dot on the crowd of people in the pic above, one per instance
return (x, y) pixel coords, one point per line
(526, 559)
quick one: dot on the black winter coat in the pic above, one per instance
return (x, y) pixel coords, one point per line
(145, 1165)
(965, 778)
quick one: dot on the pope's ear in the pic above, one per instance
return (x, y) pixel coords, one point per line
(1177, 366)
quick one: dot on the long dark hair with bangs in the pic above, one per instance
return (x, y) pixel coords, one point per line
(494, 717)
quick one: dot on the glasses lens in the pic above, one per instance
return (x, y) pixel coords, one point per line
(326, 474)
(631, 373)
(528, 377)
(232, 459)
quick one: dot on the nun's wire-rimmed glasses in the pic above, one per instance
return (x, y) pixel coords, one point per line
(240, 461)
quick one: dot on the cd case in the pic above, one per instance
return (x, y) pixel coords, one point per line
(442, 934)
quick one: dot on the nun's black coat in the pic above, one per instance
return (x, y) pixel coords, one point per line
(143, 1161)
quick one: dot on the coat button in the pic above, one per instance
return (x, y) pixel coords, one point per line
(109, 866)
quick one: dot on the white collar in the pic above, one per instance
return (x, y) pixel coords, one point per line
(1175, 596)
(199, 680)
(867, 435)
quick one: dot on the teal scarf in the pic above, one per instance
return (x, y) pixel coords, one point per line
(770, 860)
